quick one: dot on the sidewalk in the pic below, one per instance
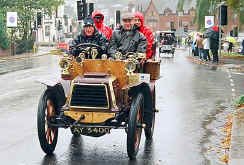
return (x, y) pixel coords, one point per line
(21, 61)
(41, 51)
(236, 155)
(236, 152)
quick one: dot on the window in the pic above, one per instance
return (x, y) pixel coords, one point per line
(180, 23)
(47, 30)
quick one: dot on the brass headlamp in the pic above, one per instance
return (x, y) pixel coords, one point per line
(66, 64)
(80, 58)
(130, 66)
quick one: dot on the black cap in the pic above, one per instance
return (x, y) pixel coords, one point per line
(88, 21)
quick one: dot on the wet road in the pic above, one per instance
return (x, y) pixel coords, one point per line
(193, 101)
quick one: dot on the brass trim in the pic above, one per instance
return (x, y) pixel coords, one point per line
(106, 89)
(112, 92)
(90, 117)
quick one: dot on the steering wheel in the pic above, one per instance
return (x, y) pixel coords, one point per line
(86, 48)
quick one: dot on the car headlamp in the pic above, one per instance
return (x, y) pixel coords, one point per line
(64, 64)
(130, 66)
(104, 57)
(80, 58)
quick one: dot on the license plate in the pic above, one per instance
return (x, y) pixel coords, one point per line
(95, 130)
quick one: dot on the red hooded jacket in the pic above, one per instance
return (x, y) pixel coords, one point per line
(106, 30)
(147, 32)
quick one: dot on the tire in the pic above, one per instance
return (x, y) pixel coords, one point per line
(48, 136)
(134, 132)
(149, 131)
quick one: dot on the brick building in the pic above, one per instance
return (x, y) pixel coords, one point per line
(168, 19)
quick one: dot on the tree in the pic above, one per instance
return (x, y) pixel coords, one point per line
(208, 7)
(4, 44)
(27, 10)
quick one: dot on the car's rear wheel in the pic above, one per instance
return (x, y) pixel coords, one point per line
(135, 126)
(150, 130)
(48, 136)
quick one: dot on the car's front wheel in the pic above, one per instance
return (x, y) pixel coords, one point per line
(135, 126)
(48, 136)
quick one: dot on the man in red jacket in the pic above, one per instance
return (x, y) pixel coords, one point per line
(98, 18)
(146, 31)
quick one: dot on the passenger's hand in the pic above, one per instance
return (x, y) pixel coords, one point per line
(142, 61)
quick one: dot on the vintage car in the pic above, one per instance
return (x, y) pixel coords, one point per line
(94, 96)
(167, 42)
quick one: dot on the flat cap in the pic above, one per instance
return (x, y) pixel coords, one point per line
(127, 15)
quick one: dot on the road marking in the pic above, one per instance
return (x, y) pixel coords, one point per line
(237, 73)
(232, 84)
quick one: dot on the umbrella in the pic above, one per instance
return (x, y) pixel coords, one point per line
(213, 32)
(192, 34)
(231, 39)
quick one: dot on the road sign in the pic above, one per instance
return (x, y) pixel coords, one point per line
(12, 19)
(209, 21)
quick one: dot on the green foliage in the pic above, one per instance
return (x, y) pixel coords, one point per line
(208, 7)
(24, 45)
(4, 40)
(240, 101)
(26, 10)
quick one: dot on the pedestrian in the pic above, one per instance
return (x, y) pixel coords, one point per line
(199, 43)
(98, 18)
(206, 48)
(230, 47)
(127, 39)
(226, 46)
(214, 46)
(146, 31)
(89, 34)
(213, 35)
(242, 51)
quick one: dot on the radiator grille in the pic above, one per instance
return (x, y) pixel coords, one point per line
(89, 96)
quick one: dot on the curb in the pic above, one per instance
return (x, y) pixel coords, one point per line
(237, 67)
(20, 57)
(236, 155)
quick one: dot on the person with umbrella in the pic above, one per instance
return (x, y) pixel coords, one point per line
(213, 35)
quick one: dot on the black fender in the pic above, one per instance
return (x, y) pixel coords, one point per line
(58, 90)
(58, 96)
(145, 89)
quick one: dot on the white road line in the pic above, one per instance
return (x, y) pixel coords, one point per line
(237, 73)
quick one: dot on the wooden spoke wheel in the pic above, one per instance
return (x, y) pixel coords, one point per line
(48, 136)
(135, 126)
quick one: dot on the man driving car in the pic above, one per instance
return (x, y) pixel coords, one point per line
(89, 35)
(127, 39)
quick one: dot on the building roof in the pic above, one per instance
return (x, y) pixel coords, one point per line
(161, 5)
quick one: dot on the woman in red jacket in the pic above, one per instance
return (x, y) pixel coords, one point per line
(146, 31)
(98, 18)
